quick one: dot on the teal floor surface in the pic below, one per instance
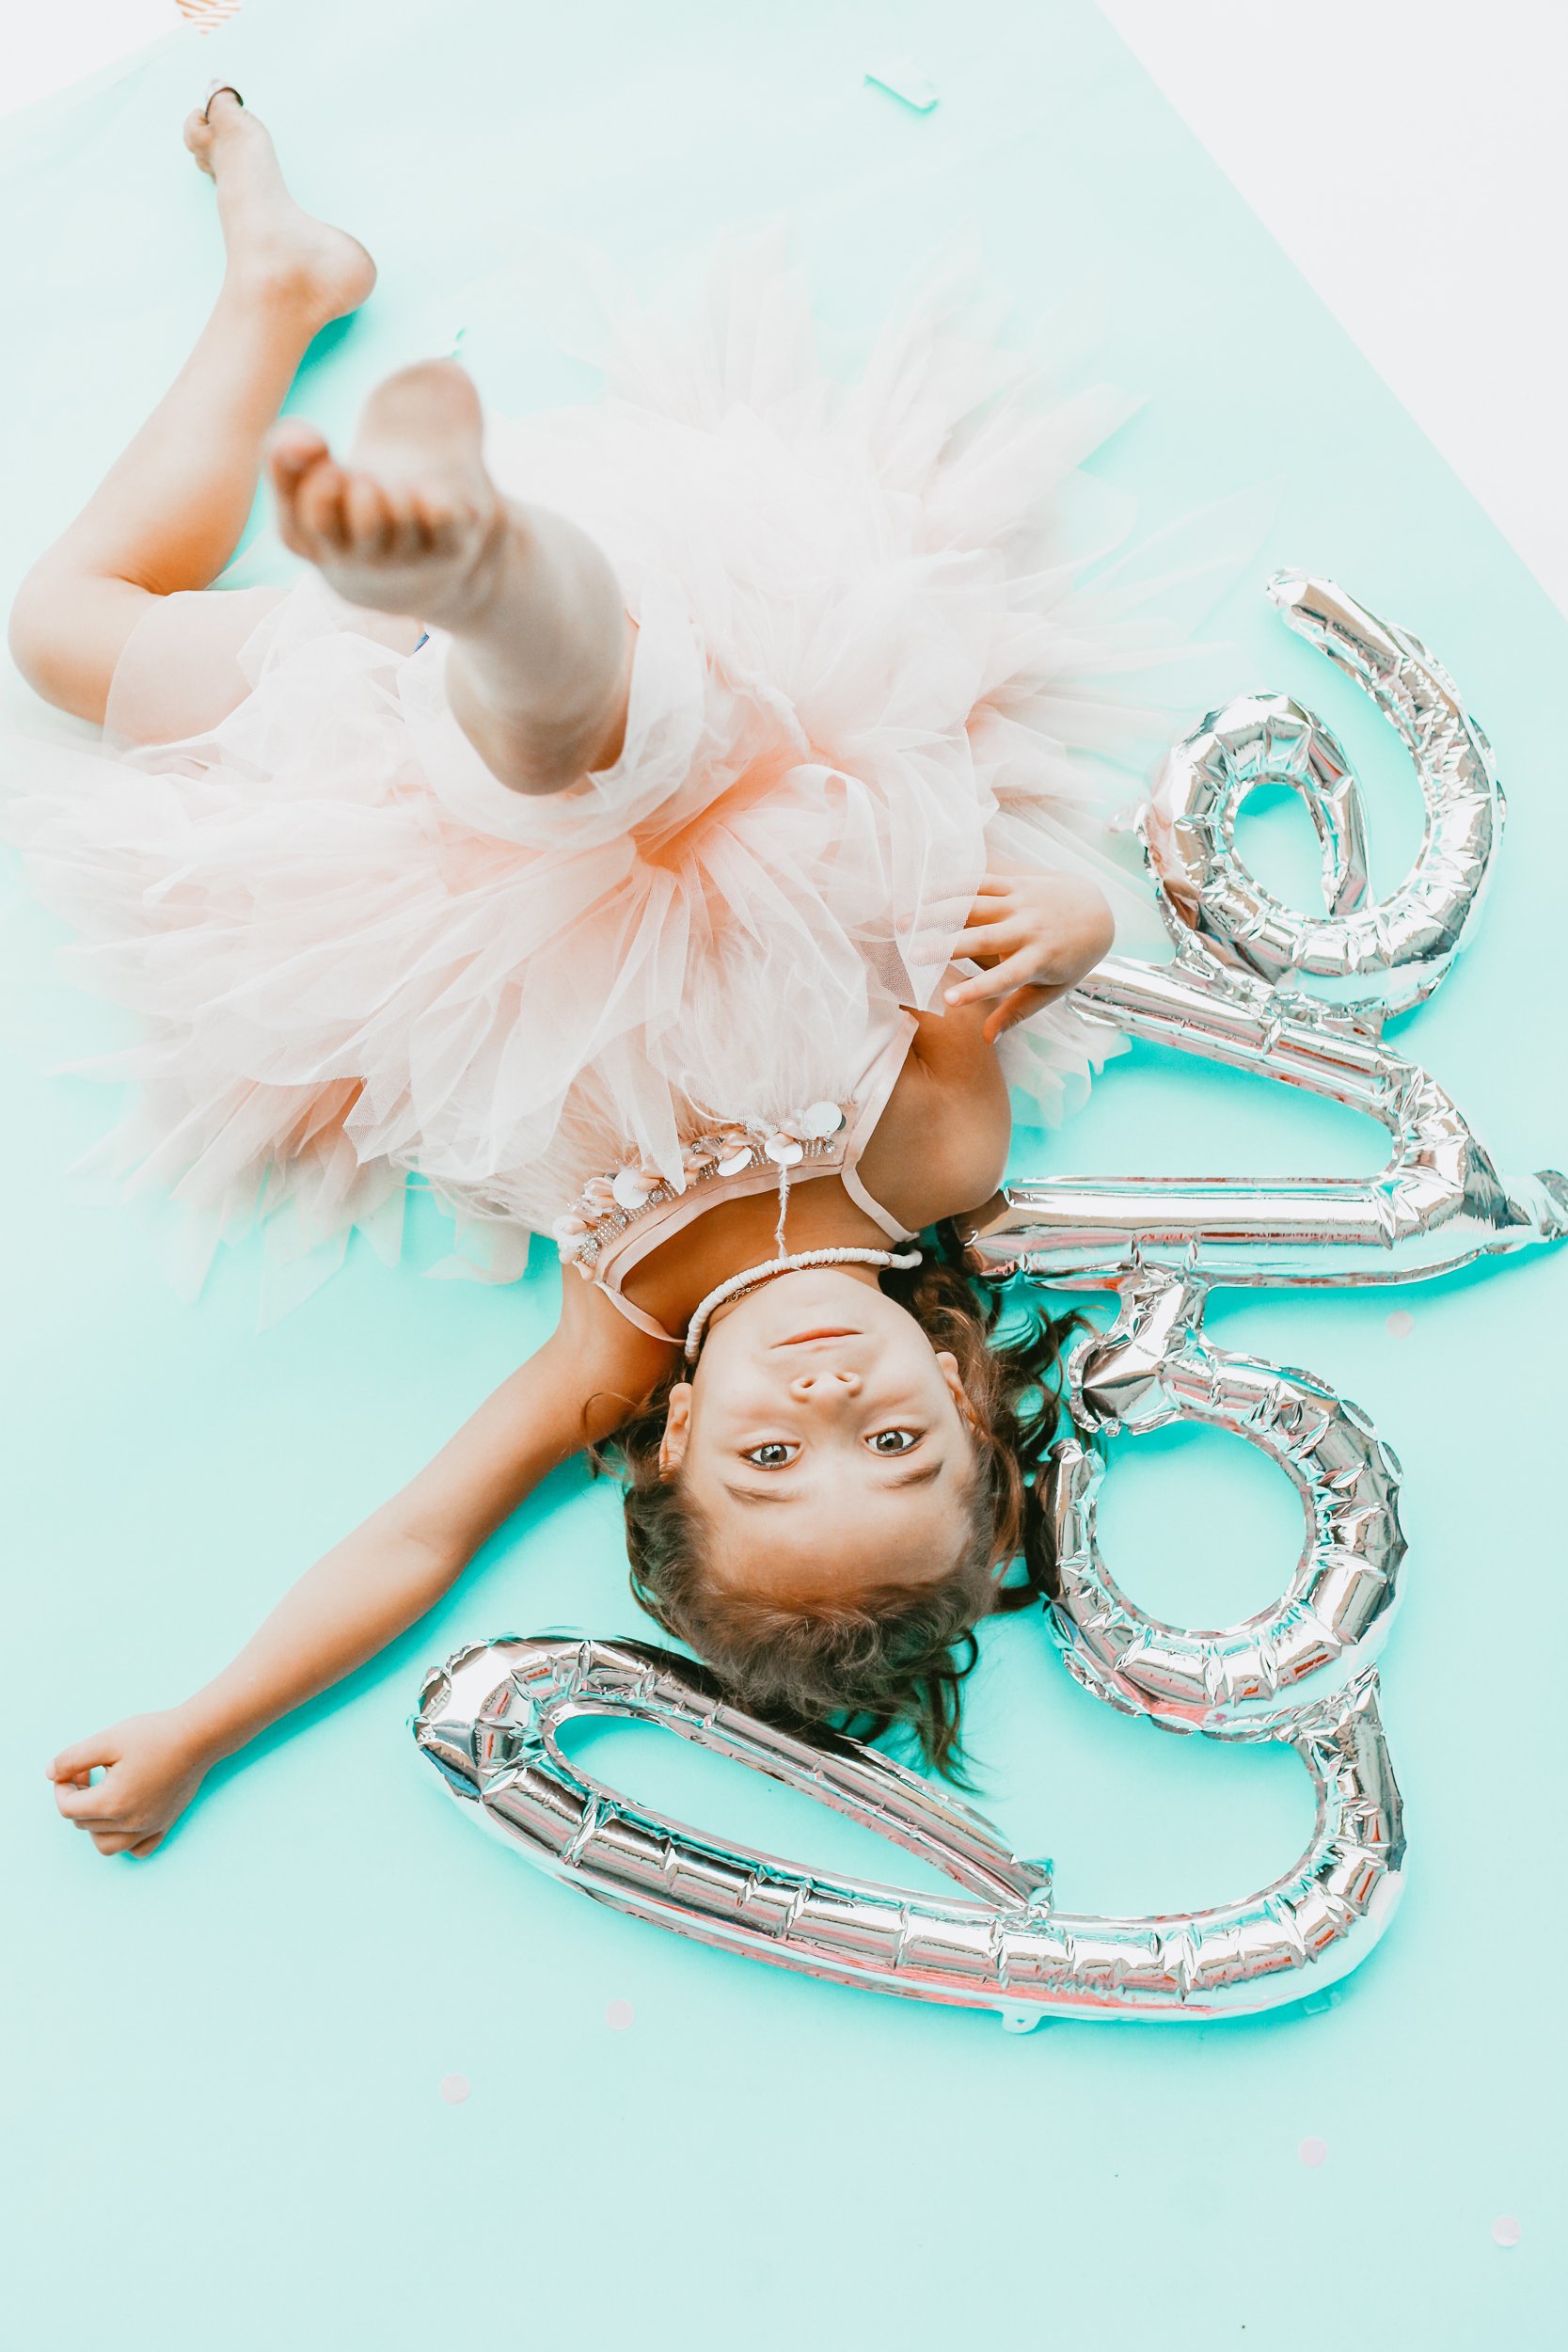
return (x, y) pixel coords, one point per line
(224, 2067)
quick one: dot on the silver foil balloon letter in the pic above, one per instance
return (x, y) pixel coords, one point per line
(1155, 1366)
(1301, 1000)
(1439, 1203)
(1391, 954)
(489, 1720)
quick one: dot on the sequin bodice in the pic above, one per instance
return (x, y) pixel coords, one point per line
(623, 1213)
(611, 1204)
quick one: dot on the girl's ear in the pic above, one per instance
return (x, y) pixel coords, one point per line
(955, 1384)
(948, 1365)
(677, 1430)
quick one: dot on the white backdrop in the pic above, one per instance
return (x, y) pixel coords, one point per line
(1411, 156)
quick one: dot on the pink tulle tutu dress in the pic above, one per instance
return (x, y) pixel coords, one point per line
(870, 661)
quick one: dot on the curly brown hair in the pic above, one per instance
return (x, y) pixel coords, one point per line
(894, 1655)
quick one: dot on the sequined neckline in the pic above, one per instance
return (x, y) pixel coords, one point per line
(609, 1203)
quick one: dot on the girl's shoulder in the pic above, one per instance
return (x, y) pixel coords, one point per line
(940, 1148)
(606, 1362)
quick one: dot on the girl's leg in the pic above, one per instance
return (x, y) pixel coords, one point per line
(169, 512)
(538, 670)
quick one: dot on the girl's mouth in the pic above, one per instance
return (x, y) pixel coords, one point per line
(804, 1339)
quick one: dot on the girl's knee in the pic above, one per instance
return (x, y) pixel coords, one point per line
(66, 632)
(35, 636)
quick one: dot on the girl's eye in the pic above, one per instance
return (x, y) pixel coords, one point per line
(894, 1441)
(773, 1457)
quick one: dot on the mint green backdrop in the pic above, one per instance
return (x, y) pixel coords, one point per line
(225, 2064)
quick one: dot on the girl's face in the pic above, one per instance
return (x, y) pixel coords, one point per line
(824, 1441)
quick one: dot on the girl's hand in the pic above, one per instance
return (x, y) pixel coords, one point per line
(154, 1766)
(1034, 936)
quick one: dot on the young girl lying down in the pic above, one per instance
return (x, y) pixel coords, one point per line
(644, 825)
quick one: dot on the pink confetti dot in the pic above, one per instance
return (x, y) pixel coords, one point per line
(1401, 1323)
(1312, 2151)
(454, 2089)
(1506, 2231)
(618, 2015)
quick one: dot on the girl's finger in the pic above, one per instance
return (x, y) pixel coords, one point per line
(150, 1845)
(968, 992)
(987, 946)
(1013, 972)
(988, 939)
(947, 906)
(72, 1762)
(115, 1840)
(1017, 1007)
(83, 1804)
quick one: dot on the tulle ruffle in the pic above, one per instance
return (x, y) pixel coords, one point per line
(873, 657)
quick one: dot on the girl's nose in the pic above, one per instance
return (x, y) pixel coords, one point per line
(825, 1386)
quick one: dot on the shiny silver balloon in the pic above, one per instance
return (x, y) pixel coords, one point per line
(1439, 1203)
(1237, 993)
(489, 1719)
(1392, 953)
(1155, 1366)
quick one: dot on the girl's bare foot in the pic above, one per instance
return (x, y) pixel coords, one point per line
(413, 523)
(537, 675)
(273, 244)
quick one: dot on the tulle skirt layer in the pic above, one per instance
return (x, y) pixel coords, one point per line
(868, 663)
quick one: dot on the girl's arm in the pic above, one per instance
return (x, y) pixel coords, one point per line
(371, 1587)
(941, 1142)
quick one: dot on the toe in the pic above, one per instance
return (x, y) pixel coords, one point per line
(319, 504)
(441, 522)
(405, 539)
(366, 514)
(292, 446)
(198, 138)
(295, 454)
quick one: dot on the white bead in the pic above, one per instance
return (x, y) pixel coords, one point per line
(629, 1188)
(783, 1150)
(822, 1120)
(737, 1164)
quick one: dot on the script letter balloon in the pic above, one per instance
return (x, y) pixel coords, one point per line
(1301, 1000)
(1153, 1367)
(489, 1720)
(1390, 954)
